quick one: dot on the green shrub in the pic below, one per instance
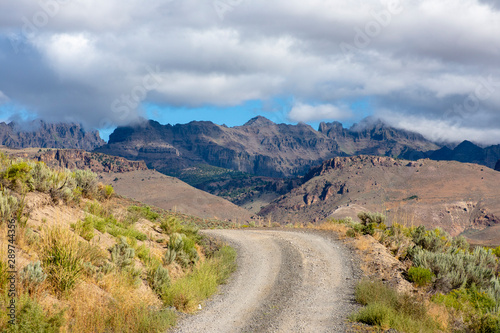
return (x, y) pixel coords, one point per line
(86, 180)
(420, 276)
(169, 257)
(459, 268)
(158, 278)
(85, 228)
(18, 176)
(435, 240)
(122, 255)
(30, 318)
(32, 275)
(107, 191)
(62, 259)
(375, 292)
(170, 225)
(42, 177)
(350, 233)
(144, 212)
(369, 218)
(477, 308)
(8, 205)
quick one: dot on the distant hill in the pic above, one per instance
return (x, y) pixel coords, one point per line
(154, 188)
(44, 135)
(497, 166)
(259, 147)
(467, 152)
(449, 194)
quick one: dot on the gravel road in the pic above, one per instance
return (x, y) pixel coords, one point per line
(287, 281)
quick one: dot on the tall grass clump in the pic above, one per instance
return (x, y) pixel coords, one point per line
(144, 212)
(385, 308)
(187, 292)
(63, 257)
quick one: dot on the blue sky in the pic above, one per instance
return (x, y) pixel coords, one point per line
(425, 65)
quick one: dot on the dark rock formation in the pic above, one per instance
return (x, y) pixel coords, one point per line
(497, 166)
(259, 147)
(467, 152)
(39, 134)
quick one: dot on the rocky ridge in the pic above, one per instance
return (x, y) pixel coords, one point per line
(80, 159)
(40, 134)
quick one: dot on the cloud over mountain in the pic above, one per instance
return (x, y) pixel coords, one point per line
(99, 62)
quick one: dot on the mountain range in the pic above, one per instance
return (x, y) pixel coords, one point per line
(40, 134)
(259, 147)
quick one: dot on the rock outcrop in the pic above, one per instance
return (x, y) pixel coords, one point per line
(81, 159)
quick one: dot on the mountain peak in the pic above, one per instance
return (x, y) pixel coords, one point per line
(259, 121)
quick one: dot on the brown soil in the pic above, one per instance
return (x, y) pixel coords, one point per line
(154, 188)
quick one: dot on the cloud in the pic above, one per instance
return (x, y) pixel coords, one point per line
(305, 112)
(3, 99)
(72, 60)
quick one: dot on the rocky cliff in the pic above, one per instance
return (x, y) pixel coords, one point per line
(259, 147)
(44, 135)
(79, 159)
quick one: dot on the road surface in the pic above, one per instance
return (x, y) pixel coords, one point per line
(286, 281)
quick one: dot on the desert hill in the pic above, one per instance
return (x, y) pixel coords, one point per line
(259, 147)
(132, 179)
(41, 134)
(452, 195)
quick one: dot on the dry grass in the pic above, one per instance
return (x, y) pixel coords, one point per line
(439, 314)
(340, 229)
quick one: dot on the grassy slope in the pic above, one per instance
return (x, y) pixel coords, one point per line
(91, 262)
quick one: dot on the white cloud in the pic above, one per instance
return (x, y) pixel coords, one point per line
(305, 112)
(3, 98)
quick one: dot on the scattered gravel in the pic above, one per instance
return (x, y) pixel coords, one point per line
(286, 281)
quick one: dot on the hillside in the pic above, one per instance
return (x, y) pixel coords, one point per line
(41, 134)
(452, 195)
(154, 188)
(259, 147)
(88, 261)
(132, 179)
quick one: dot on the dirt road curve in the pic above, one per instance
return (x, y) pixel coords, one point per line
(287, 281)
